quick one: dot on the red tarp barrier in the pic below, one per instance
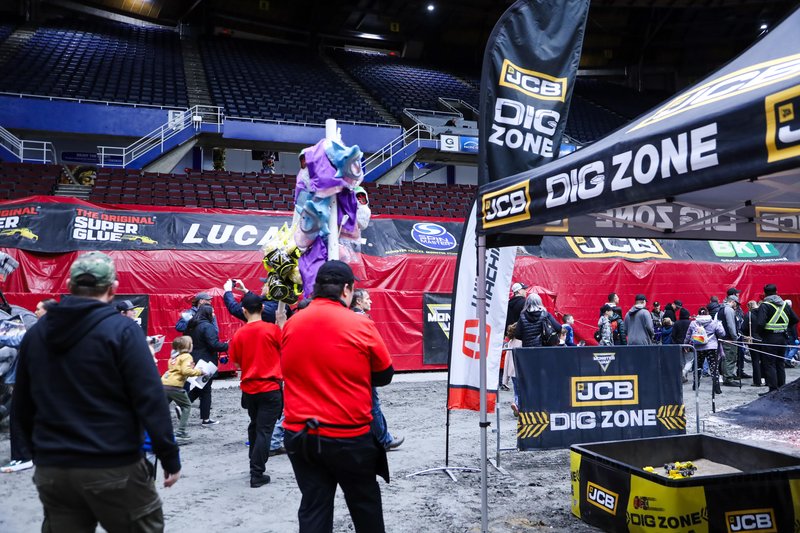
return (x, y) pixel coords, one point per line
(396, 284)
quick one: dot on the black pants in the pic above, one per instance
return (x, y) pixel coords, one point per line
(755, 358)
(205, 398)
(773, 364)
(264, 410)
(122, 499)
(349, 463)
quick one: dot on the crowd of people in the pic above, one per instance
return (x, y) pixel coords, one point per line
(86, 385)
(723, 334)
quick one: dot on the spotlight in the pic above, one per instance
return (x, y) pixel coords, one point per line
(763, 27)
(431, 7)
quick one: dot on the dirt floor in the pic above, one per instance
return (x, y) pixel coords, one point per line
(533, 494)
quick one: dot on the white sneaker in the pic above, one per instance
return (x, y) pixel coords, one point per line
(16, 466)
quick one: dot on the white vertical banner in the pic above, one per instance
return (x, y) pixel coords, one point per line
(464, 381)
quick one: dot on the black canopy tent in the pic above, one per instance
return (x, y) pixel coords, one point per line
(719, 161)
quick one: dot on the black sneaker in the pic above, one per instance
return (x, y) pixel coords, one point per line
(277, 451)
(745, 375)
(258, 481)
(730, 383)
(209, 422)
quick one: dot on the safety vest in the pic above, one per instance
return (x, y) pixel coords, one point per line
(779, 321)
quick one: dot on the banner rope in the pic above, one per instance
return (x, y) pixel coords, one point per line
(750, 347)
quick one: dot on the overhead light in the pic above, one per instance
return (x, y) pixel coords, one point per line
(763, 27)
(372, 36)
(431, 7)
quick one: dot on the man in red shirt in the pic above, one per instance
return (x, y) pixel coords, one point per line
(331, 359)
(255, 347)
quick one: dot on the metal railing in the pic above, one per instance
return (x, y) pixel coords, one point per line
(417, 133)
(89, 101)
(26, 150)
(196, 117)
(454, 103)
(279, 122)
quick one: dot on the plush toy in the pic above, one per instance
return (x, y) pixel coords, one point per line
(329, 169)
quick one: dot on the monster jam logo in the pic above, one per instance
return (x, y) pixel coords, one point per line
(604, 359)
(440, 314)
(751, 520)
(506, 206)
(602, 498)
(783, 124)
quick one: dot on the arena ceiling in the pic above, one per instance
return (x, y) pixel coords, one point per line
(684, 38)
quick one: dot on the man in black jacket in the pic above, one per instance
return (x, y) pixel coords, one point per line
(516, 304)
(772, 320)
(86, 388)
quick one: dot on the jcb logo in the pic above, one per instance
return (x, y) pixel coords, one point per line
(605, 390)
(751, 520)
(783, 124)
(506, 205)
(532, 83)
(471, 345)
(602, 498)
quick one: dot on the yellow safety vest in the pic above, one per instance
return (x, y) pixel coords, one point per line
(779, 321)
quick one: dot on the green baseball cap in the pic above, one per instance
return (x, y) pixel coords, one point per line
(94, 269)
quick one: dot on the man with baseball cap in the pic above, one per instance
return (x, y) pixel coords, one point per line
(772, 321)
(201, 298)
(739, 316)
(86, 387)
(516, 304)
(639, 323)
(331, 358)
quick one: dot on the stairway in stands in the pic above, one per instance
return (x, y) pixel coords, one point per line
(196, 83)
(15, 41)
(80, 192)
(358, 89)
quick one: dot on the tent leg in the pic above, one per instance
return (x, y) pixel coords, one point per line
(446, 469)
(481, 297)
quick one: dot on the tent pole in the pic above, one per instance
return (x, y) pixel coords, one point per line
(447, 438)
(481, 297)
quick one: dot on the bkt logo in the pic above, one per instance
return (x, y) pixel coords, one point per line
(532, 83)
(602, 498)
(751, 520)
(506, 206)
(743, 249)
(604, 390)
(783, 124)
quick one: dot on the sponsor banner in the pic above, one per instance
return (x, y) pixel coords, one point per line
(464, 379)
(527, 80)
(598, 394)
(88, 158)
(653, 220)
(53, 227)
(739, 123)
(436, 314)
(458, 143)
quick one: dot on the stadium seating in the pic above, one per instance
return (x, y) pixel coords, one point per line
(18, 180)
(617, 98)
(99, 60)
(6, 29)
(398, 84)
(236, 190)
(278, 82)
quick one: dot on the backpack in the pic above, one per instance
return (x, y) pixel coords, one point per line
(598, 335)
(549, 334)
(699, 335)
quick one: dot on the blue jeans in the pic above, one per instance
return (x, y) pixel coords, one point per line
(378, 425)
(277, 434)
(516, 391)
